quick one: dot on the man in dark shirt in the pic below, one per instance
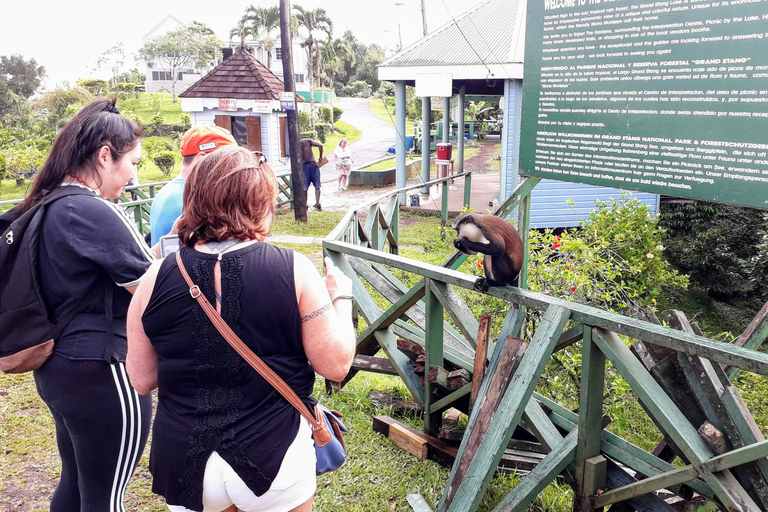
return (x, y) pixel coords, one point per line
(310, 168)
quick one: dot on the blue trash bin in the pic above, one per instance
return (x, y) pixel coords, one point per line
(408, 142)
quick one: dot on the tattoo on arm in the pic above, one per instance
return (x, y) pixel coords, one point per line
(316, 313)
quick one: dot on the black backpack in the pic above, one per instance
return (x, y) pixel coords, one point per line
(26, 329)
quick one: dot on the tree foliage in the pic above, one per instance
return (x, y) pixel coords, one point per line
(314, 22)
(19, 79)
(186, 48)
(113, 59)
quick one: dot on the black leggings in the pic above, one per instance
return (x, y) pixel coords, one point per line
(101, 428)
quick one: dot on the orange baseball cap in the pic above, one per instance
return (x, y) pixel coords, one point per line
(205, 138)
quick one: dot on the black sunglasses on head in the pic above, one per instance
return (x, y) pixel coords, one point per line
(260, 157)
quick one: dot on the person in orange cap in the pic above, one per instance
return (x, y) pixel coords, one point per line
(195, 143)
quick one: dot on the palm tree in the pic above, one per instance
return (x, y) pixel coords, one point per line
(246, 26)
(315, 20)
(270, 20)
(334, 54)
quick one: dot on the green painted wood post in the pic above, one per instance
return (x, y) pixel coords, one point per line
(590, 416)
(544, 472)
(523, 224)
(444, 207)
(433, 352)
(470, 490)
(672, 421)
(467, 189)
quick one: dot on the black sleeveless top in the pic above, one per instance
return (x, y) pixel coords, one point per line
(209, 398)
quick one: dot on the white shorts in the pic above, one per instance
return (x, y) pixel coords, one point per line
(294, 484)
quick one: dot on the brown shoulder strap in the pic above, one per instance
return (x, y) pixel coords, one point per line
(241, 348)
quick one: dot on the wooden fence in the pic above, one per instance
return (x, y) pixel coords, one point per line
(602, 468)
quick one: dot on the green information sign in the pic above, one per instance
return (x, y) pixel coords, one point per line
(669, 97)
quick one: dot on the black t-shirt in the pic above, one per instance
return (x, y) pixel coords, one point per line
(209, 398)
(90, 247)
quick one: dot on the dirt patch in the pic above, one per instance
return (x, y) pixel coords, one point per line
(485, 161)
(30, 490)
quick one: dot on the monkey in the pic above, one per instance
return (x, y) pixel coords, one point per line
(498, 240)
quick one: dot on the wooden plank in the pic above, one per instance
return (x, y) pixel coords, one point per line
(617, 477)
(595, 469)
(453, 400)
(569, 337)
(480, 418)
(381, 424)
(716, 464)
(433, 346)
(458, 311)
(619, 449)
(663, 336)
(408, 441)
(478, 370)
(546, 471)
(752, 337)
(465, 492)
(374, 364)
(664, 411)
(457, 350)
(590, 417)
(418, 503)
(393, 313)
(710, 383)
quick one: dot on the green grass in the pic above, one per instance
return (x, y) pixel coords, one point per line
(389, 163)
(143, 107)
(380, 108)
(344, 130)
(377, 475)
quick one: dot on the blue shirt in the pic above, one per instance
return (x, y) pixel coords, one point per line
(166, 208)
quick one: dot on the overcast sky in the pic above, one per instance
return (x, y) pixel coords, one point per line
(68, 37)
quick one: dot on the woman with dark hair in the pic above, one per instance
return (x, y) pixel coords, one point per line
(91, 259)
(224, 438)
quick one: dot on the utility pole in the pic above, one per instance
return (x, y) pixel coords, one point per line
(424, 15)
(297, 178)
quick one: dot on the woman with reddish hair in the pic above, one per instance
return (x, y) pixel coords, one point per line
(224, 438)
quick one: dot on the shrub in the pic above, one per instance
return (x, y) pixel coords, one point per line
(614, 261)
(165, 161)
(95, 86)
(309, 134)
(715, 244)
(186, 120)
(325, 114)
(323, 130)
(337, 113)
(304, 123)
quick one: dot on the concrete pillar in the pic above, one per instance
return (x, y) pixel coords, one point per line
(426, 107)
(400, 177)
(461, 119)
(446, 118)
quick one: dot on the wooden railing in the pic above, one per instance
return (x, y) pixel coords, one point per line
(577, 443)
(139, 209)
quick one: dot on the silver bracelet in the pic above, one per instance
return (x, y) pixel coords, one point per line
(333, 299)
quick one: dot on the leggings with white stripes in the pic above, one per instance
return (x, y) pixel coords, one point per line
(101, 428)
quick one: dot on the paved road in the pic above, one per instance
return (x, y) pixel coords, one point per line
(377, 136)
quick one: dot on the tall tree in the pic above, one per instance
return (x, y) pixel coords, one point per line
(113, 59)
(195, 46)
(270, 20)
(334, 54)
(19, 79)
(246, 27)
(313, 21)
